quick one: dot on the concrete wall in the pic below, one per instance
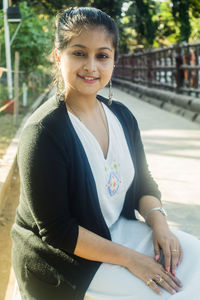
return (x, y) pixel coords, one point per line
(186, 106)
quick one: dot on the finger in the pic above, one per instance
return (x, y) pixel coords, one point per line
(180, 256)
(175, 279)
(167, 256)
(155, 287)
(167, 287)
(168, 284)
(156, 250)
(174, 284)
(174, 260)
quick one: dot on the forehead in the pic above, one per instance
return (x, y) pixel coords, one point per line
(96, 37)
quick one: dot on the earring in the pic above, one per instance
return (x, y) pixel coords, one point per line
(110, 93)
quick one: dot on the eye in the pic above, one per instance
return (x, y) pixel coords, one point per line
(78, 53)
(102, 56)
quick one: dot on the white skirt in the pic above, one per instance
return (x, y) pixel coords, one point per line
(117, 283)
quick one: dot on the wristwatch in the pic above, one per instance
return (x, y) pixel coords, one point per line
(161, 209)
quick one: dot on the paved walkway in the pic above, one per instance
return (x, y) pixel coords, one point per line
(172, 145)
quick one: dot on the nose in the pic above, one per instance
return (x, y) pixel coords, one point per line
(90, 64)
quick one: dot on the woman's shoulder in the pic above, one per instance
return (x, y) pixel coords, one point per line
(47, 123)
(49, 111)
(50, 116)
(46, 132)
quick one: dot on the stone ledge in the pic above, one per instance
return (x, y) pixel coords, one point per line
(8, 162)
(186, 106)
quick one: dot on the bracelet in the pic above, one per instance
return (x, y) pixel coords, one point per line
(160, 209)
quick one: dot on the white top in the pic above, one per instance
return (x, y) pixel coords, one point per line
(112, 175)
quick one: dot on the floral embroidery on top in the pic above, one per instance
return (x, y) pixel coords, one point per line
(113, 179)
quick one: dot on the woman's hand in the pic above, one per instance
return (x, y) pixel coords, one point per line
(153, 273)
(164, 239)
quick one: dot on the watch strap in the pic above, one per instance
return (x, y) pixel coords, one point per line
(161, 209)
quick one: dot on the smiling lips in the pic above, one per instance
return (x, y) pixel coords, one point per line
(90, 79)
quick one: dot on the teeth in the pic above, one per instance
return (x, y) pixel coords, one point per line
(88, 78)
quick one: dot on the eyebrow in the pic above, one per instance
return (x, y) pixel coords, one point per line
(84, 47)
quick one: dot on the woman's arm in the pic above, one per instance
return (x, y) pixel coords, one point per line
(93, 247)
(44, 176)
(163, 238)
(155, 217)
(148, 197)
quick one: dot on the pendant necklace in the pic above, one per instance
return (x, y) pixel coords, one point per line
(101, 114)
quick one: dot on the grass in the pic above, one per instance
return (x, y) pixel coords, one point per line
(7, 127)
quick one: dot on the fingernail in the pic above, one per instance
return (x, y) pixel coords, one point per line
(156, 257)
(173, 291)
(174, 273)
(168, 269)
(180, 284)
(179, 263)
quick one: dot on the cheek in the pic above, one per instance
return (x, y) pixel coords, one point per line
(107, 65)
(107, 70)
(68, 70)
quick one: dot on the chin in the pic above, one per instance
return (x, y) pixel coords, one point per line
(89, 92)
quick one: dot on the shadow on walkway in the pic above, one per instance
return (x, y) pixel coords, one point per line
(183, 147)
(184, 217)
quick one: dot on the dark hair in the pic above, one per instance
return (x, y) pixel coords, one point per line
(70, 22)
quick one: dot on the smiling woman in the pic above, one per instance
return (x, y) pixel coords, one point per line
(87, 62)
(83, 173)
(70, 25)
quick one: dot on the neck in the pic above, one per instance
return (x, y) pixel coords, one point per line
(81, 103)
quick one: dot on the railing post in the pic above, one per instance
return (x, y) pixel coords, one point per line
(179, 62)
(149, 68)
(134, 68)
(16, 85)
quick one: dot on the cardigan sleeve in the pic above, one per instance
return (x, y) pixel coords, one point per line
(146, 185)
(44, 187)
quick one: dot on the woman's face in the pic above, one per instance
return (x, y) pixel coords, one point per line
(87, 62)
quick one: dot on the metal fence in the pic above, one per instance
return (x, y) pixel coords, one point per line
(176, 68)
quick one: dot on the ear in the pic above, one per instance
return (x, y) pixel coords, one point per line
(57, 56)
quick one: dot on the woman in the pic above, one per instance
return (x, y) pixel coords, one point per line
(83, 173)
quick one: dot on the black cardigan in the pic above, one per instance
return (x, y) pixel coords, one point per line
(58, 193)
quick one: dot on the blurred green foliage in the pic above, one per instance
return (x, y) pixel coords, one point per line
(34, 41)
(153, 23)
(142, 24)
